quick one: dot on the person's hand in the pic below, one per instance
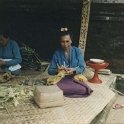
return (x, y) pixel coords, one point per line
(70, 71)
(60, 68)
(2, 63)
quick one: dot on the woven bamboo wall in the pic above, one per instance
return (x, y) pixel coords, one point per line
(106, 35)
(37, 22)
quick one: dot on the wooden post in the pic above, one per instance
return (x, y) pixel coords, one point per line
(84, 25)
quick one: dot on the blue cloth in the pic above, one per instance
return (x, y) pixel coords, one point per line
(76, 60)
(12, 51)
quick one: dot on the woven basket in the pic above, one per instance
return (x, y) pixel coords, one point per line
(48, 96)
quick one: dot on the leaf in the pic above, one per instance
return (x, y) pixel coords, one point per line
(15, 101)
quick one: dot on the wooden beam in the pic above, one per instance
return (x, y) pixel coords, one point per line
(107, 1)
(84, 25)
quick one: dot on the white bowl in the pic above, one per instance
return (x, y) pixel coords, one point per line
(97, 60)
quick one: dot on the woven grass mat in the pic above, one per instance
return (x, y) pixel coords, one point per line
(74, 111)
(23, 75)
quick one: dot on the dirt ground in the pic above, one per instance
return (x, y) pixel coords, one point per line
(116, 116)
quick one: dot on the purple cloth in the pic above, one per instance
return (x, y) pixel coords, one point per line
(74, 88)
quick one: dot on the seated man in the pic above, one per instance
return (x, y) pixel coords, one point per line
(10, 57)
(69, 58)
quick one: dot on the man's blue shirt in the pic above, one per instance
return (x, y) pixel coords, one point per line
(76, 60)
